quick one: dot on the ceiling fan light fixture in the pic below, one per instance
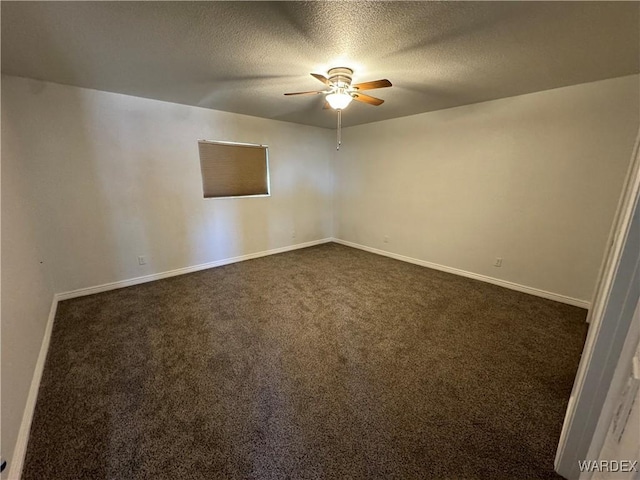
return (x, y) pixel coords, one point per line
(339, 100)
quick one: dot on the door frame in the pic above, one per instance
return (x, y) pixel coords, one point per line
(615, 298)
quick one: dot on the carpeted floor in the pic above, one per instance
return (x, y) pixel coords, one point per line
(327, 362)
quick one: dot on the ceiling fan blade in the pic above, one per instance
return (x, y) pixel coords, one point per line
(322, 78)
(314, 92)
(361, 97)
(371, 85)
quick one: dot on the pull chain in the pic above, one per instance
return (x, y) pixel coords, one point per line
(339, 129)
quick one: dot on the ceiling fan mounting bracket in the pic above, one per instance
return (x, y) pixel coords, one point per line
(340, 76)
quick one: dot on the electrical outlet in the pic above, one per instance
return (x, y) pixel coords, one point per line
(293, 234)
(498, 262)
(385, 239)
(142, 260)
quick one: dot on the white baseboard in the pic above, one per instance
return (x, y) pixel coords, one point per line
(20, 449)
(181, 271)
(476, 276)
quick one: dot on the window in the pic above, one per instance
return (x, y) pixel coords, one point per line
(234, 169)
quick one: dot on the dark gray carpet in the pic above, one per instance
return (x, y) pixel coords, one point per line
(326, 362)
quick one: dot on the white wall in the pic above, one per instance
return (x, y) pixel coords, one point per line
(91, 180)
(119, 176)
(533, 179)
(26, 290)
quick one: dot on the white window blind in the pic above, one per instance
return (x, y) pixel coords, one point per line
(233, 169)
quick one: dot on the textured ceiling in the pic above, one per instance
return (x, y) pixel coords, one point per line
(242, 56)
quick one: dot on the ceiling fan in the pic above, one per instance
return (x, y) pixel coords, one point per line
(341, 92)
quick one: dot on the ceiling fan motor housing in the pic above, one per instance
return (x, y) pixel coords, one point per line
(340, 77)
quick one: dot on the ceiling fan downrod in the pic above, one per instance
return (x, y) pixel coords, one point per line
(339, 128)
